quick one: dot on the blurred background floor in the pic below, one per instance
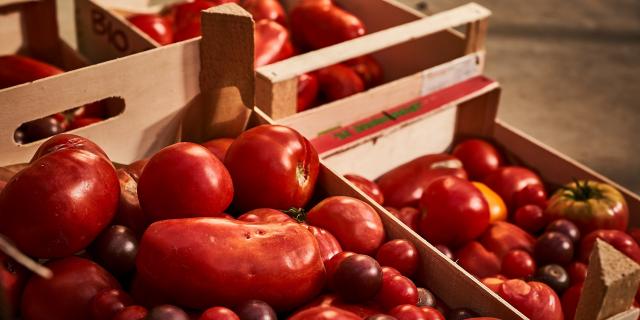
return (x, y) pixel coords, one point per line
(570, 72)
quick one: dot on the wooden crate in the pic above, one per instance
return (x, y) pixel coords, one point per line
(404, 42)
(30, 27)
(185, 92)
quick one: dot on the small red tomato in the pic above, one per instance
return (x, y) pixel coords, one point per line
(570, 300)
(82, 122)
(191, 30)
(518, 264)
(478, 157)
(324, 313)
(107, 303)
(404, 185)
(367, 186)
(354, 223)
(399, 254)
(13, 278)
(357, 278)
(396, 290)
(618, 239)
(432, 313)
(266, 9)
(507, 181)
(368, 69)
(129, 213)
(155, 26)
(454, 212)
(408, 312)
(502, 237)
(16, 69)
(339, 81)
(218, 147)
(318, 24)
(131, 313)
(328, 244)
(218, 313)
(184, 180)
(635, 234)
(577, 272)
(308, 88)
(331, 265)
(530, 217)
(474, 258)
(272, 43)
(272, 167)
(407, 215)
(531, 194)
(68, 294)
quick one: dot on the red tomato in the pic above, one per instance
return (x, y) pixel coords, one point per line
(68, 141)
(518, 264)
(185, 13)
(354, 223)
(307, 90)
(590, 205)
(155, 26)
(135, 168)
(408, 312)
(107, 303)
(403, 186)
(324, 313)
(16, 69)
(477, 260)
(184, 180)
(333, 263)
(266, 9)
(507, 181)
(570, 300)
(218, 147)
(502, 237)
(199, 254)
(218, 313)
(327, 243)
(339, 81)
(67, 295)
(191, 30)
(432, 313)
(396, 290)
(272, 43)
(534, 299)
(368, 69)
(272, 167)
(129, 213)
(13, 278)
(407, 215)
(265, 215)
(82, 122)
(131, 313)
(332, 300)
(618, 239)
(478, 157)
(577, 272)
(367, 186)
(58, 204)
(530, 217)
(532, 194)
(401, 255)
(320, 24)
(454, 212)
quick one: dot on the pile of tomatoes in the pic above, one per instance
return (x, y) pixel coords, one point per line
(311, 25)
(200, 231)
(496, 221)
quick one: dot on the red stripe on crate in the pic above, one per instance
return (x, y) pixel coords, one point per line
(390, 117)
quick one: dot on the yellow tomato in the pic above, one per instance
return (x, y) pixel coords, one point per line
(497, 208)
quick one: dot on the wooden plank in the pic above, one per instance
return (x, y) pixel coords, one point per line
(227, 88)
(611, 283)
(632, 314)
(10, 29)
(314, 60)
(104, 36)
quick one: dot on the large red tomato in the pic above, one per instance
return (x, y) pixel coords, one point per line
(590, 205)
(502, 237)
(454, 211)
(478, 157)
(307, 90)
(534, 299)
(68, 141)
(58, 204)
(16, 69)
(214, 261)
(354, 223)
(157, 27)
(266, 9)
(218, 147)
(369, 70)
(339, 81)
(184, 180)
(272, 167)
(272, 43)
(318, 24)
(324, 313)
(618, 239)
(67, 295)
(403, 186)
(477, 260)
(367, 186)
(507, 181)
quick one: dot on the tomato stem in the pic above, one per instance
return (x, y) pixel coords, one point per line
(297, 213)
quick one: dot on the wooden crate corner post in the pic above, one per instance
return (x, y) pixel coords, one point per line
(476, 33)
(611, 285)
(226, 70)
